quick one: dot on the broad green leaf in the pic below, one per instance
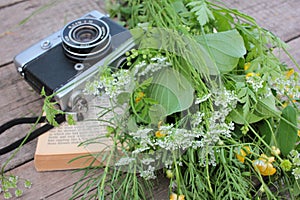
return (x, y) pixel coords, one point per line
(286, 135)
(240, 117)
(265, 130)
(157, 113)
(131, 125)
(223, 21)
(179, 7)
(225, 48)
(123, 98)
(266, 107)
(171, 90)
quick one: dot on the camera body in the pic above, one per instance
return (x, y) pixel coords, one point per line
(63, 62)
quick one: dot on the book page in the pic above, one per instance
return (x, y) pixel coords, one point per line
(66, 138)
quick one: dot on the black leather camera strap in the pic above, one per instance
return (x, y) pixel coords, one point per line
(30, 120)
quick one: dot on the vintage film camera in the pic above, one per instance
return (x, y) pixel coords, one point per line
(63, 62)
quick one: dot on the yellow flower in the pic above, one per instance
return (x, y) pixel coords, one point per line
(299, 133)
(174, 196)
(247, 66)
(285, 104)
(250, 74)
(242, 153)
(159, 134)
(264, 165)
(289, 73)
(139, 96)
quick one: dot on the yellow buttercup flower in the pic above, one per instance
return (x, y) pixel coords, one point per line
(159, 134)
(247, 66)
(289, 73)
(242, 153)
(264, 165)
(299, 133)
(174, 196)
(285, 104)
(250, 74)
(139, 96)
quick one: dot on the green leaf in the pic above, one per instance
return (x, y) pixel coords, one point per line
(179, 7)
(266, 107)
(286, 135)
(123, 97)
(131, 125)
(202, 12)
(223, 21)
(225, 48)
(296, 188)
(157, 113)
(265, 130)
(171, 90)
(240, 117)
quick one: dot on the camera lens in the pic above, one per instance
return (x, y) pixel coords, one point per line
(85, 34)
(85, 39)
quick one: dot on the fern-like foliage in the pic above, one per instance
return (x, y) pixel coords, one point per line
(201, 10)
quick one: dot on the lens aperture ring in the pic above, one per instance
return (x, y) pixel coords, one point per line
(86, 37)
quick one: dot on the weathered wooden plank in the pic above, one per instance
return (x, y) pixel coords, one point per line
(45, 184)
(8, 3)
(160, 191)
(293, 48)
(25, 155)
(280, 16)
(17, 100)
(50, 18)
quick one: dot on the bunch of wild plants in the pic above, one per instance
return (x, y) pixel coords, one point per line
(203, 99)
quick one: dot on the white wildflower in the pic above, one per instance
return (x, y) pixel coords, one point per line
(140, 150)
(143, 137)
(296, 173)
(148, 174)
(197, 119)
(147, 161)
(142, 68)
(124, 161)
(256, 82)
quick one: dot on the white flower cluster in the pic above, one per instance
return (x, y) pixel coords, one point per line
(143, 68)
(224, 100)
(111, 85)
(176, 139)
(207, 156)
(256, 82)
(296, 162)
(287, 87)
(148, 173)
(124, 161)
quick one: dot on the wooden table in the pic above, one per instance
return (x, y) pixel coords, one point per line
(17, 98)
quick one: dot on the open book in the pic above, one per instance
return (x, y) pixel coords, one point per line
(57, 147)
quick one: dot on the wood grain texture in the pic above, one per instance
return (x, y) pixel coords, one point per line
(18, 99)
(280, 16)
(46, 184)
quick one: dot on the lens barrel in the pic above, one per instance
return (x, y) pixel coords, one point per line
(85, 39)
